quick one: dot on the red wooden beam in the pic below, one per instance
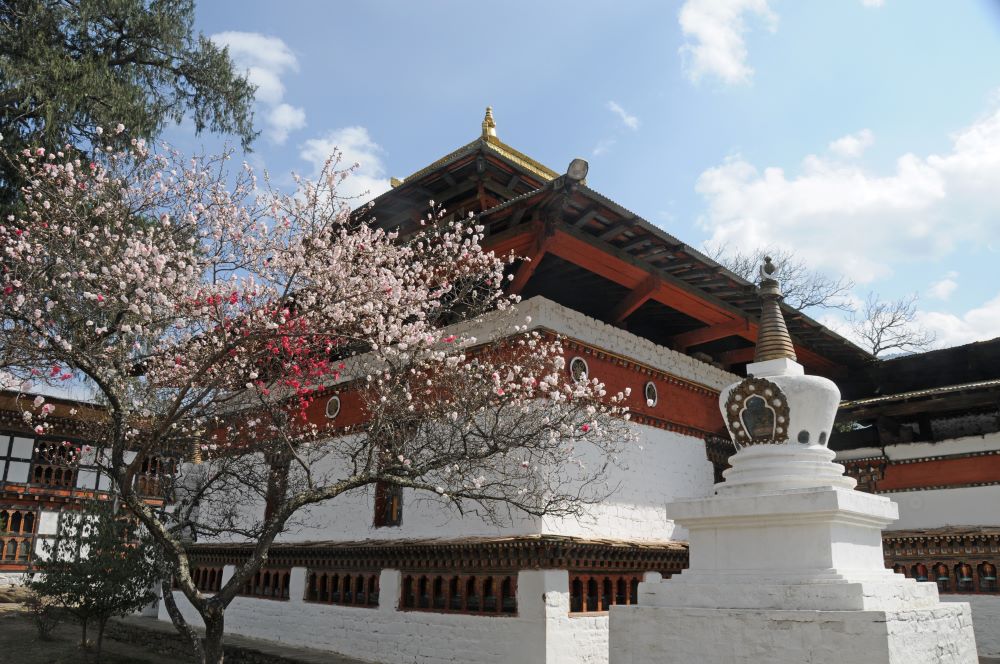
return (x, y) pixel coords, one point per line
(738, 356)
(711, 333)
(632, 274)
(635, 299)
(963, 471)
(519, 240)
(529, 265)
(599, 261)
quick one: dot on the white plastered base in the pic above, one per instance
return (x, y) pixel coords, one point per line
(663, 635)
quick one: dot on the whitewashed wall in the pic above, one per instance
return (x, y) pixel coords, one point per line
(541, 632)
(937, 508)
(985, 621)
(48, 524)
(659, 467)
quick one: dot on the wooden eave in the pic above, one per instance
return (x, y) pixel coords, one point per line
(953, 398)
(528, 209)
(654, 266)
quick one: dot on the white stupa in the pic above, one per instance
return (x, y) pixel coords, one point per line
(786, 561)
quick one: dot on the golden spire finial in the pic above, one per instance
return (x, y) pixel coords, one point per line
(489, 125)
(773, 340)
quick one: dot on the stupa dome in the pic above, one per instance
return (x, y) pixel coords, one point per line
(777, 403)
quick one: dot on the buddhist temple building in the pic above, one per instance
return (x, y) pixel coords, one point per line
(924, 429)
(381, 576)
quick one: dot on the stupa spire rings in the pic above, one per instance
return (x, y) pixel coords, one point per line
(773, 340)
(489, 124)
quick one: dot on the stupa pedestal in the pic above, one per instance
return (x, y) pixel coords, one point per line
(790, 575)
(786, 563)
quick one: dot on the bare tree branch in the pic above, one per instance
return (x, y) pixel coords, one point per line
(890, 326)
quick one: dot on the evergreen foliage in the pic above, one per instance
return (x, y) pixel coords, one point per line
(68, 67)
(97, 568)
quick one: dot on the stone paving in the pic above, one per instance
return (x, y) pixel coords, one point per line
(303, 655)
(269, 649)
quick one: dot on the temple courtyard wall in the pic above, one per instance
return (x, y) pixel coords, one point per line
(541, 631)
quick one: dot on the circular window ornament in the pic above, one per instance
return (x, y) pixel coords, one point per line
(651, 395)
(578, 369)
(332, 408)
(757, 413)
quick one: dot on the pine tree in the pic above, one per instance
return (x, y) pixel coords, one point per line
(68, 67)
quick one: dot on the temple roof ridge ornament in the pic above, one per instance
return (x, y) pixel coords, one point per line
(773, 340)
(489, 124)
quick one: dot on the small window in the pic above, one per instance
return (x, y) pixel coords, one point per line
(651, 396)
(332, 408)
(388, 504)
(578, 369)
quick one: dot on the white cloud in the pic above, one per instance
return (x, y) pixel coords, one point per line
(627, 119)
(716, 31)
(356, 146)
(873, 3)
(603, 146)
(283, 119)
(266, 60)
(977, 324)
(852, 145)
(840, 216)
(943, 289)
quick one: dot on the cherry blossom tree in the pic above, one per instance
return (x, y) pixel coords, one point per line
(215, 315)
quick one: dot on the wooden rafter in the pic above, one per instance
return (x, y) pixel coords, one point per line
(710, 333)
(738, 356)
(635, 299)
(585, 218)
(530, 263)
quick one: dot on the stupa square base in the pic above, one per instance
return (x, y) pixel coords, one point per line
(668, 635)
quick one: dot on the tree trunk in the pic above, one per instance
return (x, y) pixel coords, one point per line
(211, 645)
(83, 623)
(102, 622)
(177, 619)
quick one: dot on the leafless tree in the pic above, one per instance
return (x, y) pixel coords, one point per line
(802, 286)
(880, 326)
(890, 326)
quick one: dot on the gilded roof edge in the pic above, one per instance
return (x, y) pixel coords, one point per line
(496, 145)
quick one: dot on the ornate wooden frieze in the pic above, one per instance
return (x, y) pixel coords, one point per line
(465, 555)
(957, 561)
(718, 449)
(867, 471)
(904, 545)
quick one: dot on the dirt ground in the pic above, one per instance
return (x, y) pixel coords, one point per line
(19, 644)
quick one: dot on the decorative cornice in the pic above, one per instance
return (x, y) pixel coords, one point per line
(915, 546)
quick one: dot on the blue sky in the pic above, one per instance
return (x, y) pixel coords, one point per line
(864, 135)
